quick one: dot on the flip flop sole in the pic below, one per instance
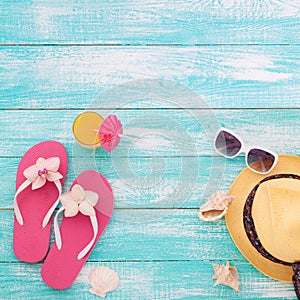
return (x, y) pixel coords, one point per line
(61, 266)
(31, 240)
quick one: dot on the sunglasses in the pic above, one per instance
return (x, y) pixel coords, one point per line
(259, 160)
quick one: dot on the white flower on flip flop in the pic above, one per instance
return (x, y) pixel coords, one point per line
(77, 200)
(43, 170)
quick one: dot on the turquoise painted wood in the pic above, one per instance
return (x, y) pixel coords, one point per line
(225, 76)
(149, 235)
(150, 22)
(162, 175)
(177, 132)
(173, 71)
(147, 280)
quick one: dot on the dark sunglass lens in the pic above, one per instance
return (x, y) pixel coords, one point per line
(227, 144)
(260, 160)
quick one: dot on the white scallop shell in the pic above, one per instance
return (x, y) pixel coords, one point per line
(103, 280)
(215, 207)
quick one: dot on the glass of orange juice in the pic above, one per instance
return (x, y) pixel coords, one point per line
(85, 129)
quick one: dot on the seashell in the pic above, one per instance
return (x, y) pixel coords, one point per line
(103, 280)
(226, 275)
(215, 207)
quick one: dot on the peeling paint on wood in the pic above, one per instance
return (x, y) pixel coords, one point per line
(225, 76)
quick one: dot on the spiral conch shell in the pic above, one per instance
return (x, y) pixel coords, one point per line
(215, 207)
(103, 280)
(226, 275)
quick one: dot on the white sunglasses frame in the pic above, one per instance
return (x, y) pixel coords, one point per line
(245, 150)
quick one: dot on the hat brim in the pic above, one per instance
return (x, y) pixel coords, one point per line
(241, 187)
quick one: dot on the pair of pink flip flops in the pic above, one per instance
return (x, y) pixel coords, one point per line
(87, 210)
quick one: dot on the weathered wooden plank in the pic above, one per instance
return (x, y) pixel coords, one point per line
(146, 280)
(179, 132)
(169, 182)
(150, 22)
(76, 77)
(148, 234)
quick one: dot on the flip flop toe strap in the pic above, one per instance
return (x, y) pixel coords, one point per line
(21, 188)
(52, 208)
(44, 169)
(88, 247)
(48, 215)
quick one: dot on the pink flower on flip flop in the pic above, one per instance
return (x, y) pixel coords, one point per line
(79, 200)
(43, 170)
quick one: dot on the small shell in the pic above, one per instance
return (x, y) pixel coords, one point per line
(226, 275)
(103, 280)
(215, 207)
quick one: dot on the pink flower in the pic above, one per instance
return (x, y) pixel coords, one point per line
(79, 200)
(43, 170)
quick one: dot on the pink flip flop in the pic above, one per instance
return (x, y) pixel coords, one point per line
(87, 210)
(39, 180)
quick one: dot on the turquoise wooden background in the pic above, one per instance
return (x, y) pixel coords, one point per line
(56, 57)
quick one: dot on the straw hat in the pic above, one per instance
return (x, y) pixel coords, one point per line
(264, 218)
